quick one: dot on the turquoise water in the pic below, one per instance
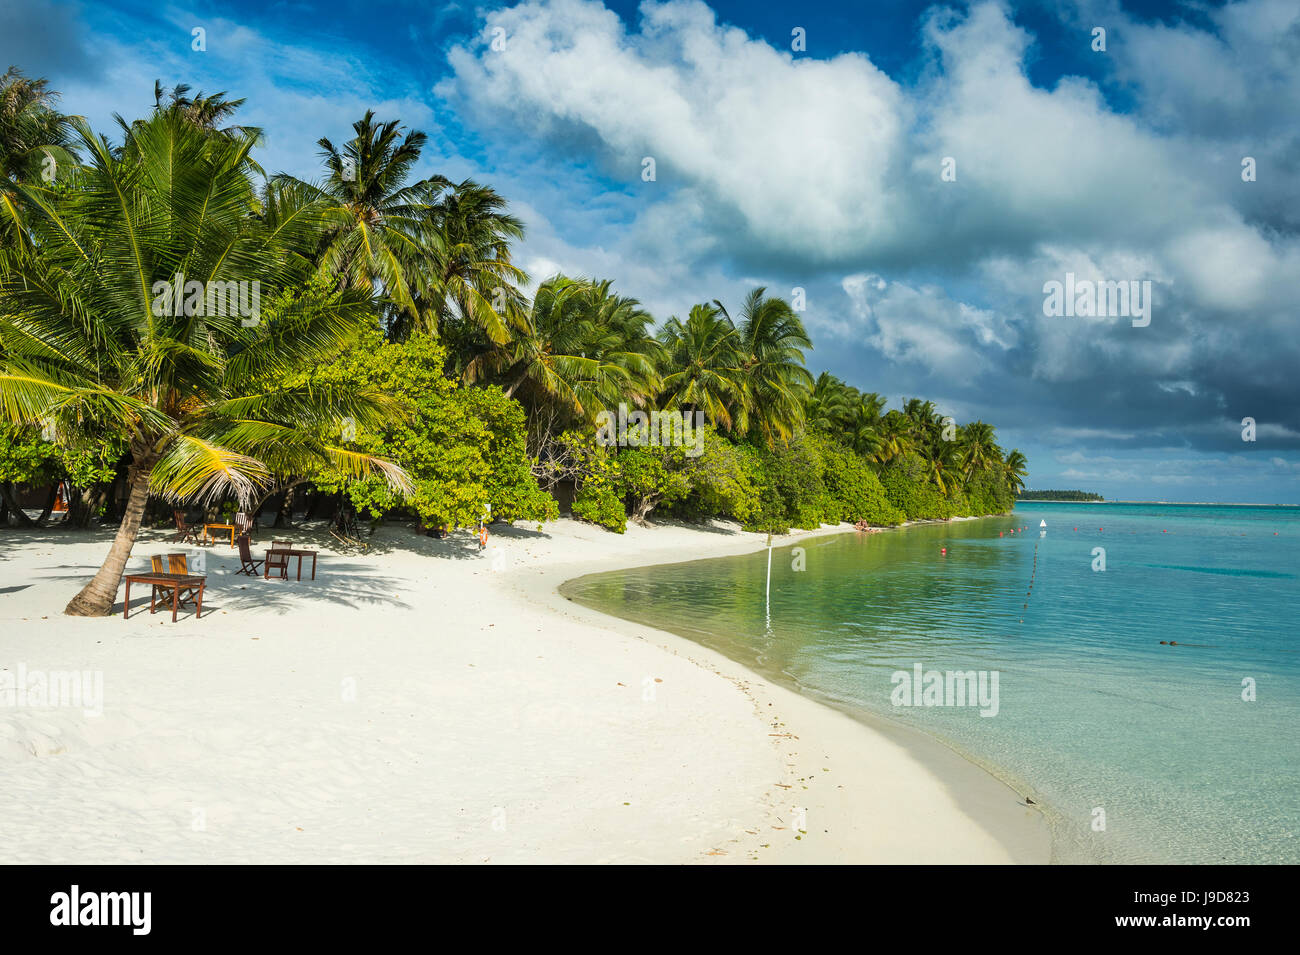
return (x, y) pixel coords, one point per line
(1140, 752)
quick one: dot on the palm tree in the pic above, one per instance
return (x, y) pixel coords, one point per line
(439, 251)
(95, 338)
(846, 413)
(895, 437)
(35, 143)
(471, 277)
(771, 340)
(1014, 471)
(977, 448)
(830, 406)
(942, 467)
(701, 366)
(581, 350)
(375, 215)
(203, 110)
(864, 427)
(926, 425)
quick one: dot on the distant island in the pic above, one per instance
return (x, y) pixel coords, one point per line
(1058, 496)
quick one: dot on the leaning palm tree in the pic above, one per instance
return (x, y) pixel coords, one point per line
(701, 366)
(771, 343)
(97, 331)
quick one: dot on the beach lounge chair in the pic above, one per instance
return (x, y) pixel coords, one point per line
(185, 531)
(248, 564)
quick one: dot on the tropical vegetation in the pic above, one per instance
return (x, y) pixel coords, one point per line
(396, 362)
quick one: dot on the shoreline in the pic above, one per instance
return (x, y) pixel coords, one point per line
(989, 802)
(484, 718)
(1159, 503)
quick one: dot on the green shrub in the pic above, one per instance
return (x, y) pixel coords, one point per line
(855, 489)
(462, 447)
(911, 493)
(650, 476)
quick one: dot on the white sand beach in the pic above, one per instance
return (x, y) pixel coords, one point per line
(428, 702)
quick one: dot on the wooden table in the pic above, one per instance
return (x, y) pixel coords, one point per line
(300, 554)
(221, 527)
(173, 582)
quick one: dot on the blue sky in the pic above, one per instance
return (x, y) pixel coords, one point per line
(822, 169)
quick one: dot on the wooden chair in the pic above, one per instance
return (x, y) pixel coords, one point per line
(156, 565)
(179, 564)
(282, 545)
(186, 531)
(248, 564)
(244, 525)
(277, 560)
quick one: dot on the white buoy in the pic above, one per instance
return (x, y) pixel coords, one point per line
(1042, 523)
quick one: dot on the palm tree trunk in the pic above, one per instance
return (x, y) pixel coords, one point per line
(275, 490)
(510, 392)
(49, 505)
(82, 504)
(284, 516)
(96, 598)
(7, 489)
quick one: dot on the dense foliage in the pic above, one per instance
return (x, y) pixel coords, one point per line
(462, 448)
(397, 365)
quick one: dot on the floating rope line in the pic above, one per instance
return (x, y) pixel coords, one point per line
(1033, 573)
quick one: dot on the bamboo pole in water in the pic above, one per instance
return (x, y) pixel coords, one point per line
(769, 579)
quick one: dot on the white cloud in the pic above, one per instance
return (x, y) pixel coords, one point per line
(825, 160)
(924, 326)
(803, 153)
